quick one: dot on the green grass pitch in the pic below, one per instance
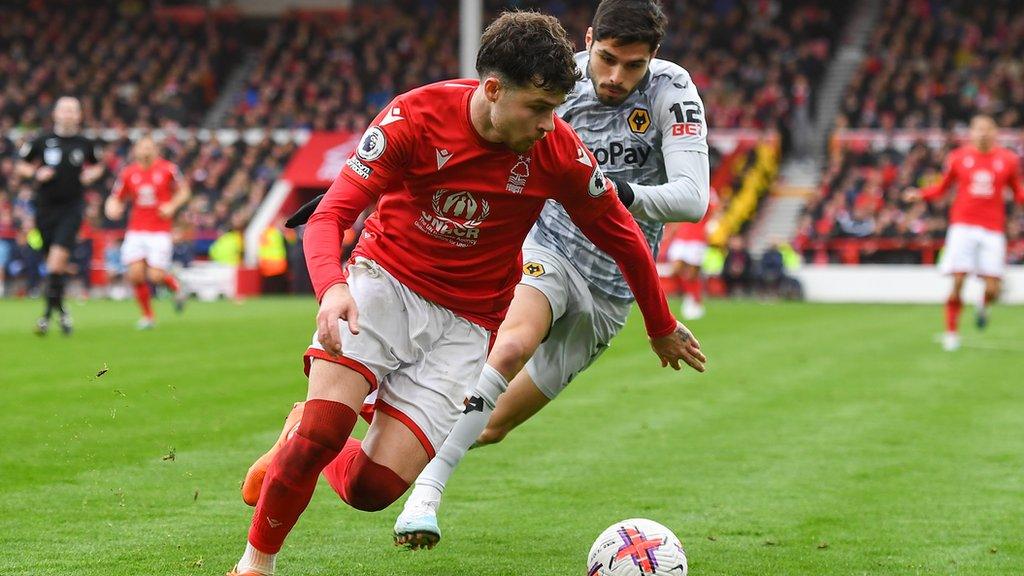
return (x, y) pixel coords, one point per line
(823, 439)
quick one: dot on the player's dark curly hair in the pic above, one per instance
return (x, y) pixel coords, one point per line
(629, 21)
(528, 48)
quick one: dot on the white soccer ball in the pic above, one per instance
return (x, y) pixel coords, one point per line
(637, 547)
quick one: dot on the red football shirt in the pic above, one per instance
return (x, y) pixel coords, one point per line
(147, 189)
(981, 179)
(454, 209)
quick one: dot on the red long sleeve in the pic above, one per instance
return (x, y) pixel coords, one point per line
(935, 191)
(337, 211)
(617, 234)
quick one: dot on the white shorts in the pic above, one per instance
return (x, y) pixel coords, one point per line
(156, 248)
(583, 322)
(418, 357)
(688, 251)
(973, 250)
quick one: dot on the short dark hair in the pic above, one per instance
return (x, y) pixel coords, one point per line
(528, 49)
(629, 21)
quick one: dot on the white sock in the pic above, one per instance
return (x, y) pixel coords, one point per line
(255, 561)
(463, 435)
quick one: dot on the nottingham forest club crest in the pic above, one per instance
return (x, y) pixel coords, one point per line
(456, 218)
(518, 175)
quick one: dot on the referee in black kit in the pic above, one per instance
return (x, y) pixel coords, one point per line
(62, 162)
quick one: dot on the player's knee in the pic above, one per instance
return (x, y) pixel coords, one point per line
(371, 487)
(509, 355)
(136, 276)
(155, 276)
(491, 435)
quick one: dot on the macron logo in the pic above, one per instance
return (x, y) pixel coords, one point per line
(582, 158)
(393, 115)
(442, 157)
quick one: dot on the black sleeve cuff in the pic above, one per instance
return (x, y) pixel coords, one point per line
(626, 195)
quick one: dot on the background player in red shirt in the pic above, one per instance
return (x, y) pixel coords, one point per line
(461, 171)
(975, 241)
(156, 190)
(686, 253)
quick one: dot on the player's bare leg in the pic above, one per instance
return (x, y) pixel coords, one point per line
(951, 339)
(527, 322)
(56, 278)
(136, 275)
(160, 277)
(335, 394)
(993, 287)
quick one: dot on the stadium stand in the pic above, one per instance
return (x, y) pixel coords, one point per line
(129, 66)
(332, 71)
(933, 65)
(860, 215)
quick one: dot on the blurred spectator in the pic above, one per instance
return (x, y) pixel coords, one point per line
(738, 269)
(228, 248)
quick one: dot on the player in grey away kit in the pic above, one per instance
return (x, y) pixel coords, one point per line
(644, 122)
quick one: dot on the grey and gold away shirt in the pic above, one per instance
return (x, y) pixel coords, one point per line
(657, 142)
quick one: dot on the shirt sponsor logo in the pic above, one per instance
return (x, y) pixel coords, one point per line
(456, 218)
(617, 153)
(686, 129)
(361, 170)
(373, 144)
(518, 175)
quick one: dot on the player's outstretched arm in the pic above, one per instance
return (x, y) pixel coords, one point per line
(617, 234)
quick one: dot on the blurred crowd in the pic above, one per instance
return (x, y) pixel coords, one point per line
(935, 64)
(128, 67)
(862, 197)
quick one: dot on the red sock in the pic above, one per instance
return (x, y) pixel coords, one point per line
(171, 282)
(143, 297)
(291, 477)
(362, 483)
(953, 307)
(696, 291)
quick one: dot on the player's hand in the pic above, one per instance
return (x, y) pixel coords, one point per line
(91, 174)
(912, 195)
(679, 345)
(166, 210)
(336, 303)
(45, 174)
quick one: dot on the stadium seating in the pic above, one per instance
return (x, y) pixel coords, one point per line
(129, 67)
(860, 215)
(935, 64)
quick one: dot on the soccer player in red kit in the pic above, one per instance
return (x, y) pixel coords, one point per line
(975, 241)
(686, 253)
(460, 171)
(156, 189)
